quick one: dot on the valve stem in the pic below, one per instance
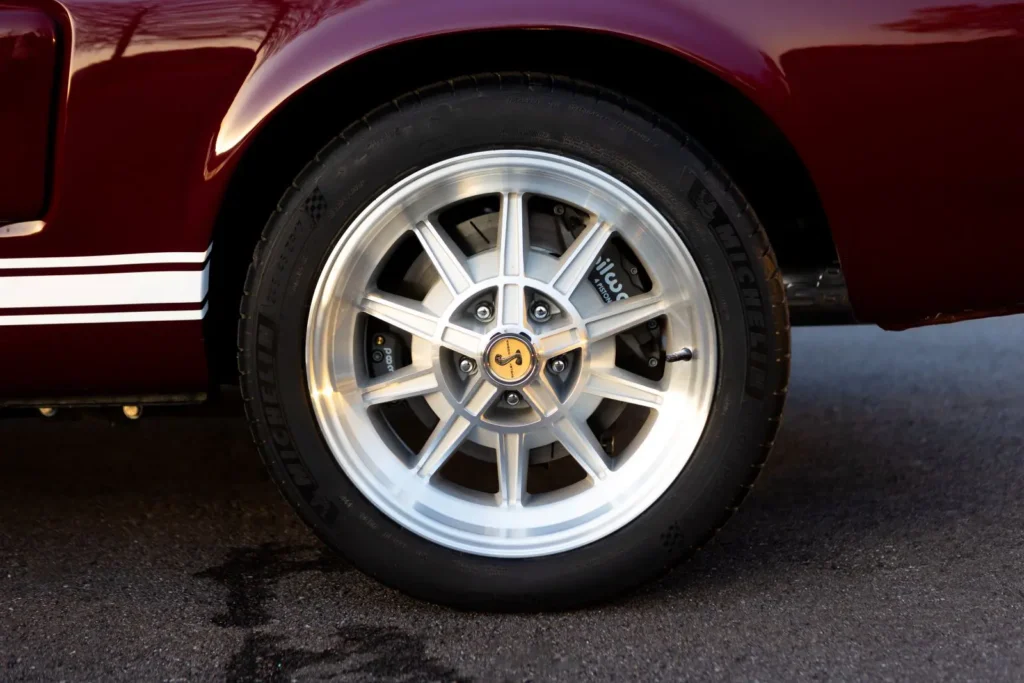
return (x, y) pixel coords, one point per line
(684, 354)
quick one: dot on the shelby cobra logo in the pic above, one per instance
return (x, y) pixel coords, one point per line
(505, 360)
(510, 360)
(606, 280)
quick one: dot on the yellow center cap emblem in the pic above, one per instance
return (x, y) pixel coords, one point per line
(510, 360)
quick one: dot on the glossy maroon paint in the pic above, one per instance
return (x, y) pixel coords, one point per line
(28, 65)
(906, 113)
(120, 360)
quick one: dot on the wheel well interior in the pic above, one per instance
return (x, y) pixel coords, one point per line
(741, 137)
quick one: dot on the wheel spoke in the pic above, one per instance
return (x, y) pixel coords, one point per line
(581, 443)
(513, 461)
(621, 385)
(512, 237)
(461, 340)
(581, 257)
(449, 433)
(447, 258)
(620, 316)
(511, 304)
(557, 342)
(479, 396)
(403, 313)
(415, 318)
(541, 395)
(443, 441)
(512, 247)
(402, 383)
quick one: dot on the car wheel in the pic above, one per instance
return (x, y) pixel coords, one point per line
(514, 343)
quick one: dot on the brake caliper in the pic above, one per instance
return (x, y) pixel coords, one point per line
(387, 353)
(615, 276)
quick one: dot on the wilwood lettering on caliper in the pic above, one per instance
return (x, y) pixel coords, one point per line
(757, 340)
(606, 280)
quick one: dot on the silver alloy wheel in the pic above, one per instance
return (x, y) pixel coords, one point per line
(405, 485)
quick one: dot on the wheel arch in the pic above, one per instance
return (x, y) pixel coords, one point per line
(275, 139)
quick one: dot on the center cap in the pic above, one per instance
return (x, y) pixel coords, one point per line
(510, 360)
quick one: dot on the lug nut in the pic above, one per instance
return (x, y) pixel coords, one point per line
(540, 311)
(484, 312)
(652, 362)
(377, 356)
(467, 365)
(512, 399)
(557, 365)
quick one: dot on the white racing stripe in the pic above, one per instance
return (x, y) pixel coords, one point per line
(185, 288)
(118, 317)
(105, 289)
(109, 260)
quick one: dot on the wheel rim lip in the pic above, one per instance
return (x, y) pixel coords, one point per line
(539, 530)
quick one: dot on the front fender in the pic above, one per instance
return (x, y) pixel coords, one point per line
(313, 43)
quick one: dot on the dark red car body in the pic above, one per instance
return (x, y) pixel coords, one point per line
(133, 127)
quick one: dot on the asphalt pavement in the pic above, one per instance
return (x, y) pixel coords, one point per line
(884, 541)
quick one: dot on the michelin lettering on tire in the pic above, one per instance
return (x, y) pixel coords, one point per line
(718, 222)
(301, 478)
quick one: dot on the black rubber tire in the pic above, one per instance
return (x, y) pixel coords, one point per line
(572, 119)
